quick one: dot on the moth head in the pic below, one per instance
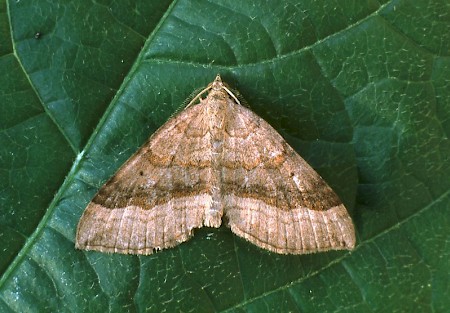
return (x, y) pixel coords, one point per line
(220, 89)
(217, 84)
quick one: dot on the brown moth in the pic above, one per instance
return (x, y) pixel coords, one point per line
(215, 159)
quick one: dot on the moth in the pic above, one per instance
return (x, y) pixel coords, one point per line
(216, 160)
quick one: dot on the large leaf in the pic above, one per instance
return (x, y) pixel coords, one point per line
(359, 88)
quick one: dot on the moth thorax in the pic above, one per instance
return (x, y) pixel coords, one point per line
(216, 113)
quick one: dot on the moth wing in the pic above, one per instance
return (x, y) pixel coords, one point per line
(273, 198)
(158, 196)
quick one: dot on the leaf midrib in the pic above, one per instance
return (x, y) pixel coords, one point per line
(80, 157)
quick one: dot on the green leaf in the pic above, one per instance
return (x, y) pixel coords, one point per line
(359, 89)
